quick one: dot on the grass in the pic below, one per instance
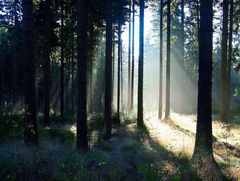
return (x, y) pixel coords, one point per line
(131, 154)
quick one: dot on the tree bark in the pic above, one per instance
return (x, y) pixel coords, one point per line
(82, 23)
(30, 119)
(119, 63)
(62, 64)
(133, 41)
(181, 81)
(129, 58)
(140, 122)
(108, 71)
(167, 109)
(46, 52)
(229, 63)
(161, 62)
(203, 152)
(224, 91)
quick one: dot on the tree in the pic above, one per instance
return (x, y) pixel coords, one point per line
(224, 65)
(30, 119)
(167, 109)
(182, 57)
(129, 57)
(203, 152)
(161, 62)
(62, 61)
(133, 41)
(46, 64)
(82, 23)
(108, 70)
(229, 66)
(119, 60)
(140, 66)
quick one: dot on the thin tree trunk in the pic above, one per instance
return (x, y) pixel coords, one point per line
(129, 58)
(62, 64)
(121, 76)
(108, 71)
(140, 122)
(133, 41)
(119, 62)
(181, 81)
(229, 68)
(160, 62)
(72, 72)
(82, 23)
(46, 72)
(224, 64)
(113, 69)
(167, 109)
(30, 119)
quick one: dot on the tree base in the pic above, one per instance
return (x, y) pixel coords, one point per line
(206, 167)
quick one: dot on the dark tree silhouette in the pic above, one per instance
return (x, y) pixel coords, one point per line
(129, 58)
(167, 108)
(182, 58)
(108, 70)
(161, 62)
(30, 119)
(133, 41)
(119, 61)
(46, 64)
(224, 65)
(62, 62)
(229, 66)
(140, 66)
(82, 23)
(203, 152)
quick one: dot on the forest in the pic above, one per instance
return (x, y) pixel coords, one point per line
(119, 90)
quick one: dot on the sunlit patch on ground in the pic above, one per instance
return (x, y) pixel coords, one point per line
(178, 136)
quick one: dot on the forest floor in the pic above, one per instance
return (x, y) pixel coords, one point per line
(160, 152)
(130, 155)
(178, 136)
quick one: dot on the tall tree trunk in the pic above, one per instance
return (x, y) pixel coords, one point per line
(129, 58)
(119, 62)
(46, 52)
(133, 41)
(62, 64)
(167, 109)
(108, 71)
(72, 72)
(160, 62)
(181, 81)
(90, 86)
(30, 119)
(203, 151)
(140, 122)
(82, 23)
(113, 68)
(224, 64)
(229, 66)
(16, 49)
(121, 77)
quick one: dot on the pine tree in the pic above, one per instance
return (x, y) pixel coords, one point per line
(161, 62)
(30, 119)
(203, 151)
(140, 122)
(167, 109)
(108, 71)
(224, 65)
